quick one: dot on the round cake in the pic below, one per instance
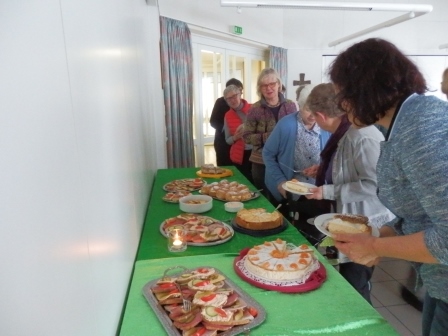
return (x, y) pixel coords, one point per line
(211, 169)
(275, 261)
(258, 219)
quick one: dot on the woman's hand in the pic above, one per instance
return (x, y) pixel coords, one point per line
(357, 247)
(238, 133)
(317, 193)
(311, 171)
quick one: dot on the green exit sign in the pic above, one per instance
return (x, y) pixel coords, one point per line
(237, 30)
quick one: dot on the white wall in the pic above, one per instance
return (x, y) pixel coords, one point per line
(79, 144)
(307, 34)
(260, 25)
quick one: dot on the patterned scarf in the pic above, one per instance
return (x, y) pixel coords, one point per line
(330, 148)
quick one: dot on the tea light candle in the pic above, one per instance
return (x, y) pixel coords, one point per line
(177, 241)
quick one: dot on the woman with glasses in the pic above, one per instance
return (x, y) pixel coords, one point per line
(233, 129)
(262, 118)
(222, 148)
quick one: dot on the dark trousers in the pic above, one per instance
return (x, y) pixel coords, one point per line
(302, 209)
(358, 276)
(246, 167)
(434, 317)
(258, 171)
(222, 150)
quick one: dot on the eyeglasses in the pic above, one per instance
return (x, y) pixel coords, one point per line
(270, 85)
(235, 96)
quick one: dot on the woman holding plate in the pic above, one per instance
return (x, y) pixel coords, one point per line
(377, 83)
(348, 173)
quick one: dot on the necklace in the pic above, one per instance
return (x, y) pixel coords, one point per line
(275, 105)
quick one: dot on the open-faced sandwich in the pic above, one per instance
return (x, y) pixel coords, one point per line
(215, 306)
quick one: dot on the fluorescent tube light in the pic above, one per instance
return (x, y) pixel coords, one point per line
(367, 6)
(414, 10)
(385, 24)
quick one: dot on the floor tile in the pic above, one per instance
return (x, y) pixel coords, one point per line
(380, 275)
(409, 316)
(398, 269)
(388, 293)
(396, 324)
(375, 302)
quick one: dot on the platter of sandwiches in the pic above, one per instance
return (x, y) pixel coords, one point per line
(200, 230)
(173, 197)
(344, 223)
(299, 188)
(187, 184)
(218, 305)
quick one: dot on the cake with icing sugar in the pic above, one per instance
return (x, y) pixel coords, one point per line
(258, 219)
(275, 261)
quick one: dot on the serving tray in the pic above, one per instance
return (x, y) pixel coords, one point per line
(163, 229)
(226, 172)
(171, 330)
(186, 184)
(316, 279)
(260, 233)
(255, 194)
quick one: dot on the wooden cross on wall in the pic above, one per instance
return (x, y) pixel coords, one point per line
(301, 81)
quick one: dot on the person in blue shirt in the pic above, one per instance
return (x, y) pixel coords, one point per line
(293, 146)
(377, 83)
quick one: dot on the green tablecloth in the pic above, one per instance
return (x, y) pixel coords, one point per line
(333, 309)
(153, 245)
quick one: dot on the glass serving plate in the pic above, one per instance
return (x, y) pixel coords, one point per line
(171, 330)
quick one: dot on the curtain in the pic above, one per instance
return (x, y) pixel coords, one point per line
(278, 60)
(177, 84)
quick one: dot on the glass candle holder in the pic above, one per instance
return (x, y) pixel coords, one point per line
(177, 240)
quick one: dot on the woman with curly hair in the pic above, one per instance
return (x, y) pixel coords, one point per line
(377, 83)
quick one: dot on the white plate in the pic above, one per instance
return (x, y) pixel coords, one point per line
(309, 185)
(310, 221)
(321, 224)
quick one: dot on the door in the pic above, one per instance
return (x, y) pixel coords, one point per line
(215, 63)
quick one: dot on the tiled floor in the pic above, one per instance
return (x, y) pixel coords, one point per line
(389, 282)
(393, 295)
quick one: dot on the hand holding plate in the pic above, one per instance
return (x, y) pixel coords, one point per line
(316, 193)
(357, 247)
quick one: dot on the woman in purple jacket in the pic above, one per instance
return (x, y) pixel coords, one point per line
(262, 118)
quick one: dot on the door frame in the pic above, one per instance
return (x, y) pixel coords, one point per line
(227, 48)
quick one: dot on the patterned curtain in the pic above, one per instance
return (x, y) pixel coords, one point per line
(278, 60)
(177, 78)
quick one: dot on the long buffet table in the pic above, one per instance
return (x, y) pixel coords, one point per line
(334, 308)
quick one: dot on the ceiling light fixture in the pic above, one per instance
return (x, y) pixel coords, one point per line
(413, 11)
